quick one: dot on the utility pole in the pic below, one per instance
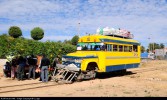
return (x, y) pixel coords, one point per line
(149, 45)
(153, 43)
(79, 29)
(79, 25)
(153, 47)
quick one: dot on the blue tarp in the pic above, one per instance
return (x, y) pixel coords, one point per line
(144, 55)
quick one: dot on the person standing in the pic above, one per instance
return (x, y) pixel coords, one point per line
(6, 70)
(20, 70)
(55, 62)
(32, 61)
(45, 63)
(14, 68)
(38, 69)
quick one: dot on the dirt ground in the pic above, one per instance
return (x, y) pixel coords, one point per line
(137, 82)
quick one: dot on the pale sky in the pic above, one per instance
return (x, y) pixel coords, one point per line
(59, 18)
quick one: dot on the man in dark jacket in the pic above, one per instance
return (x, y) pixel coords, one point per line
(45, 63)
(32, 61)
(21, 67)
(6, 69)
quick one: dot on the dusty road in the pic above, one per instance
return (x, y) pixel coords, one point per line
(149, 80)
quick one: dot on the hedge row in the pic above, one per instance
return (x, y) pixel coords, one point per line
(25, 47)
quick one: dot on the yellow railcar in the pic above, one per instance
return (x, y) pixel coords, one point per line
(100, 53)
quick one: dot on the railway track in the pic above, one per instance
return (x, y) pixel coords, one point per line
(36, 85)
(21, 87)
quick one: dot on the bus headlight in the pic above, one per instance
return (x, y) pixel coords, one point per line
(78, 60)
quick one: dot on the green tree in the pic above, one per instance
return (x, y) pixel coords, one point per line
(156, 46)
(142, 49)
(15, 31)
(162, 46)
(153, 46)
(74, 40)
(37, 33)
(147, 50)
(24, 47)
(67, 41)
(4, 44)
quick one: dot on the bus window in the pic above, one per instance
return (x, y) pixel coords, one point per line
(96, 47)
(91, 46)
(84, 47)
(126, 49)
(130, 48)
(115, 48)
(103, 47)
(79, 48)
(120, 48)
(109, 47)
(135, 48)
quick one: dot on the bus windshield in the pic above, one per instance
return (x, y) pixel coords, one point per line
(90, 46)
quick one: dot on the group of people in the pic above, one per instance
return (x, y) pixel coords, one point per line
(16, 68)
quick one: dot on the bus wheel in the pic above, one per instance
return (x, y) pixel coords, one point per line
(92, 73)
(80, 77)
(89, 74)
(91, 70)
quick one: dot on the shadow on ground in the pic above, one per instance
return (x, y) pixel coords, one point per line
(112, 74)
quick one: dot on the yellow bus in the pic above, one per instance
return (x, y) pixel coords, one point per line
(101, 53)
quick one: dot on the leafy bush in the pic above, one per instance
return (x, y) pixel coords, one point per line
(37, 33)
(25, 47)
(74, 40)
(15, 31)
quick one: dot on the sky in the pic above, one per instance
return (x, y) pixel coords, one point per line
(60, 18)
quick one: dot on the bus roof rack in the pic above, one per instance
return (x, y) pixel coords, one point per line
(121, 33)
(120, 36)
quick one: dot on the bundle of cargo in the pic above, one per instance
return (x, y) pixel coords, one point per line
(114, 32)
